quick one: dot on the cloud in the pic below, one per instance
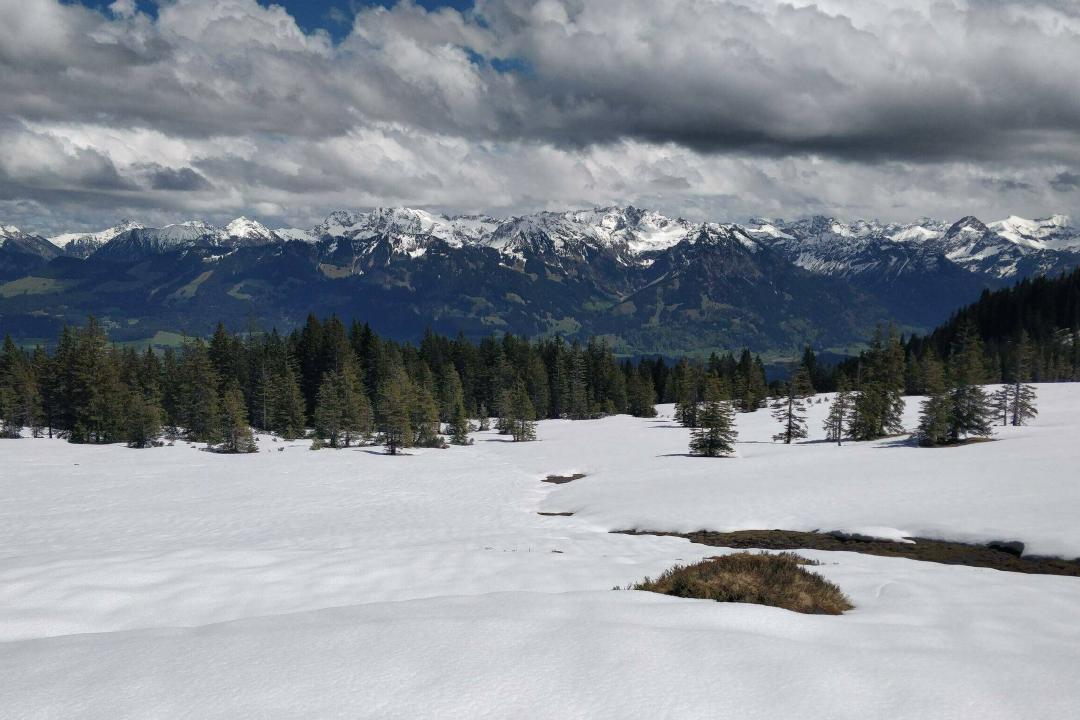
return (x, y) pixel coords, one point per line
(1065, 181)
(182, 179)
(721, 108)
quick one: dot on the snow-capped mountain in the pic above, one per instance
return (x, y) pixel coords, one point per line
(1004, 249)
(250, 232)
(22, 253)
(82, 245)
(656, 283)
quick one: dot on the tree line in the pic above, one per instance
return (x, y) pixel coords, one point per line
(342, 385)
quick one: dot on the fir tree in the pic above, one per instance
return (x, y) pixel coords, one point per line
(716, 434)
(426, 418)
(523, 415)
(330, 410)
(879, 405)
(1022, 404)
(286, 405)
(790, 409)
(972, 412)
(235, 431)
(1002, 403)
(935, 418)
(838, 421)
(1022, 396)
(142, 420)
(454, 398)
(395, 403)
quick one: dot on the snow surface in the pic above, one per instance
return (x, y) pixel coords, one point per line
(173, 582)
(95, 238)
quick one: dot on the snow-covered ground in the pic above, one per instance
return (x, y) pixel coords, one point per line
(173, 582)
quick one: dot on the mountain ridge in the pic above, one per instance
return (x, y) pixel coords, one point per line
(651, 283)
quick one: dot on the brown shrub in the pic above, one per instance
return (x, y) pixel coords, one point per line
(777, 580)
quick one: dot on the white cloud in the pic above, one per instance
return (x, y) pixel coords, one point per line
(702, 107)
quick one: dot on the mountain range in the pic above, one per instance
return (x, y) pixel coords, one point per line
(651, 283)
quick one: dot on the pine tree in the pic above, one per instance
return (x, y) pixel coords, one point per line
(716, 434)
(235, 432)
(358, 419)
(523, 415)
(790, 409)
(485, 421)
(395, 404)
(838, 421)
(935, 418)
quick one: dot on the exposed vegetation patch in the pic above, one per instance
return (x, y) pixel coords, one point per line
(778, 580)
(560, 479)
(555, 514)
(1006, 556)
(31, 285)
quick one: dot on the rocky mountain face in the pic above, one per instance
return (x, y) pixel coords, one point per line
(649, 282)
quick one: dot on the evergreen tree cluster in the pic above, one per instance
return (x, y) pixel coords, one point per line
(347, 383)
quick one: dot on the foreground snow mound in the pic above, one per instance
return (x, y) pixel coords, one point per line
(583, 655)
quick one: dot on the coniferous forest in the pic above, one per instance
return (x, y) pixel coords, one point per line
(345, 385)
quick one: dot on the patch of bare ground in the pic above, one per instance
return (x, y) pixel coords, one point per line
(778, 580)
(560, 479)
(555, 514)
(1007, 556)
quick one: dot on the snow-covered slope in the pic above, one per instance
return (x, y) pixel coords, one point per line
(83, 244)
(243, 231)
(173, 582)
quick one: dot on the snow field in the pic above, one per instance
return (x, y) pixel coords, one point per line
(173, 582)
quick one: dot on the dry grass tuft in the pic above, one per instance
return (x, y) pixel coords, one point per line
(777, 580)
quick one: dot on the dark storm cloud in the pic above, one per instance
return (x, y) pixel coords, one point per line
(182, 180)
(1065, 181)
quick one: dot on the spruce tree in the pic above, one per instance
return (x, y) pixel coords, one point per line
(715, 435)
(395, 405)
(935, 418)
(142, 419)
(286, 405)
(1002, 402)
(838, 421)
(330, 410)
(236, 435)
(1022, 404)
(972, 411)
(790, 409)
(199, 404)
(879, 405)
(426, 418)
(1022, 396)
(504, 409)
(523, 415)
(454, 398)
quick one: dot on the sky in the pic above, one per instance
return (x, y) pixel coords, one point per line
(166, 110)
